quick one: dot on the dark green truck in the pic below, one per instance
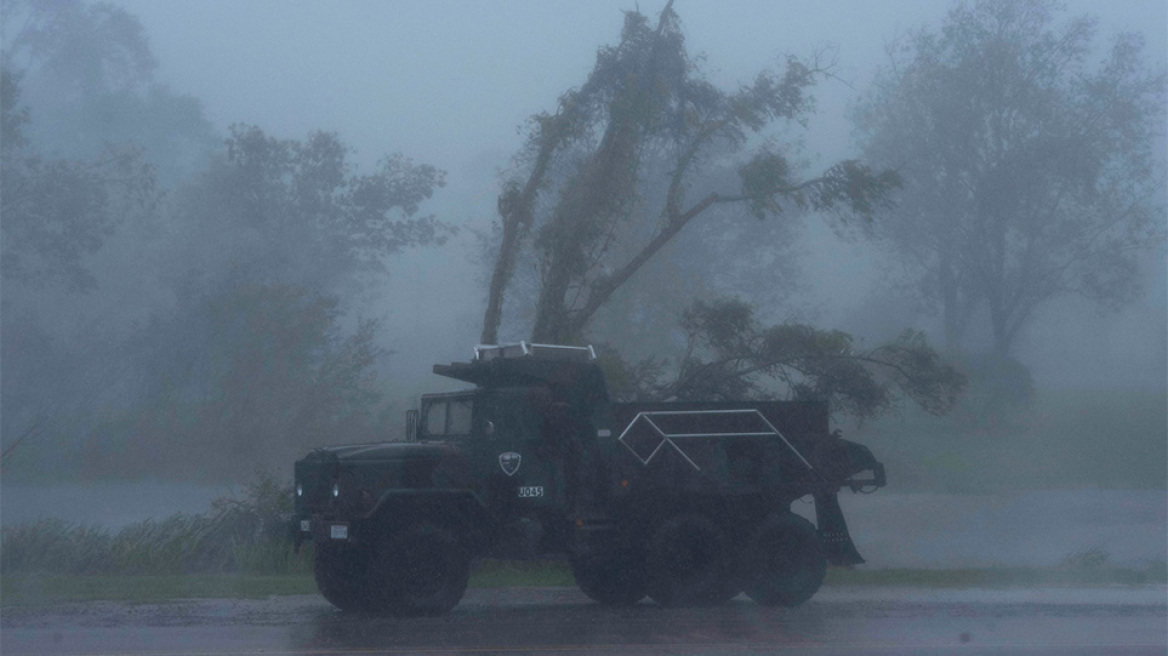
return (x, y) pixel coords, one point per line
(687, 503)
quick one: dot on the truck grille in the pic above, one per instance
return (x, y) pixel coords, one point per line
(315, 481)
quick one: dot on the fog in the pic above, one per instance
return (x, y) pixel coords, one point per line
(113, 384)
(452, 86)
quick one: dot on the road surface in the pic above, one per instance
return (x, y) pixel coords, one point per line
(562, 621)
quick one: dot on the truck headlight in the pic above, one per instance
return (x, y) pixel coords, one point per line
(336, 491)
(299, 490)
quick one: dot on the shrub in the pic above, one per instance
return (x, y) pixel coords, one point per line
(238, 535)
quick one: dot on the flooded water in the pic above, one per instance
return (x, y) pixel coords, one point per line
(111, 505)
(1033, 528)
(845, 622)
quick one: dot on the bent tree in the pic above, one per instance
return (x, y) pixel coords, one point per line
(637, 154)
(616, 164)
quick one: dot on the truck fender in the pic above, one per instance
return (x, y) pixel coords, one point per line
(460, 510)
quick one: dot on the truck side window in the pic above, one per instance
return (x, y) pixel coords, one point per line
(436, 419)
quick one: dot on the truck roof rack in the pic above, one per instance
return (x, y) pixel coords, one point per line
(522, 364)
(488, 352)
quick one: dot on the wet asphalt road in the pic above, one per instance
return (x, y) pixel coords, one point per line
(562, 621)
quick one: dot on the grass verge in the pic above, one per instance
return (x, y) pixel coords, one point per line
(37, 590)
(40, 590)
(999, 577)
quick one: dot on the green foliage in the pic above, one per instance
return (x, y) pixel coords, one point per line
(90, 45)
(1029, 173)
(248, 535)
(256, 362)
(999, 577)
(38, 590)
(79, 229)
(212, 338)
(613, 174)
(729, 355)
(90, 76)
(25, 590)
(250, 377)
(297, 212)
(58, 212)
(765, 181)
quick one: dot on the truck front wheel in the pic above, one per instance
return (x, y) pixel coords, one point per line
(341, 573)
(420, 570)
(689, 562)
(784, 563)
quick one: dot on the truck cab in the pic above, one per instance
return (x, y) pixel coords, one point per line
(513, 443)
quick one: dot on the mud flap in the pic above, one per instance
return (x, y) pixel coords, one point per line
(833, 531)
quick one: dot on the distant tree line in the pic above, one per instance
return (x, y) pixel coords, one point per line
(1032, 169)
(174, 300)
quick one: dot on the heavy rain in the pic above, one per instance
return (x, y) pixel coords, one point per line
(235, 233)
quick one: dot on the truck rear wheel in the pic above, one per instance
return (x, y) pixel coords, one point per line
(784, 563)
(689, 562)
(420, 570)
(615, 578)
(341, 573)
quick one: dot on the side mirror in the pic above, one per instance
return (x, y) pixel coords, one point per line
(411, 425)
(489, 427)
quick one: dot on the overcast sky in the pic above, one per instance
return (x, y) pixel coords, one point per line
(448, 81)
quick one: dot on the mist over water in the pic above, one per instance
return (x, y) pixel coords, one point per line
(1021, 529)
(108, 504)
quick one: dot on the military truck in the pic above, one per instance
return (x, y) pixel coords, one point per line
(685, 503)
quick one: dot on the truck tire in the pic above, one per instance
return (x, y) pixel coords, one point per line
(341, 573)
(616, 578)
(784, 563)
(688, 562)
(420, 570)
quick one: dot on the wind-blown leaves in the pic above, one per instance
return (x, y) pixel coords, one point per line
(611, 175)
(730, 356)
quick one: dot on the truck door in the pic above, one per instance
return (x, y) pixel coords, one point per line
(527, 472)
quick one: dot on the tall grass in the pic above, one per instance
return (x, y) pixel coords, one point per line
(238, 535)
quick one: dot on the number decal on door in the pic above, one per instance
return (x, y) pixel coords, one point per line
(531, 491)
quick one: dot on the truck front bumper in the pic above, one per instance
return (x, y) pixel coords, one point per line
(320, 530)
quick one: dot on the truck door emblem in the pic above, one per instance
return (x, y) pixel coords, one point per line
(509, 462)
